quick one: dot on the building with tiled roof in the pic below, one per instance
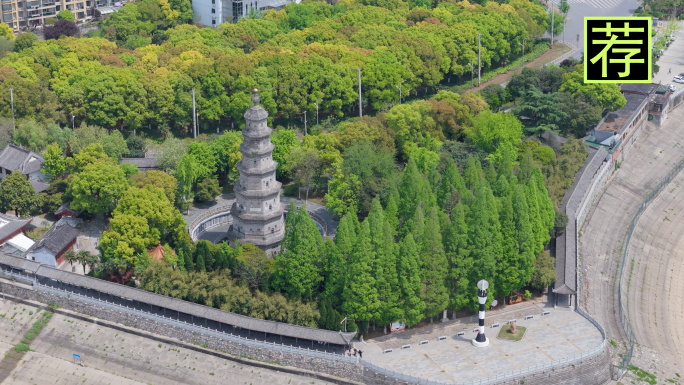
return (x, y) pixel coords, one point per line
(52, 246)
(11, 226)
(27, 162)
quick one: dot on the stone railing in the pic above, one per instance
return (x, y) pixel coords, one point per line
(195, 227)
(220, 215)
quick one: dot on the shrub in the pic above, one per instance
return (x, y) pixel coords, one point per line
(21, 348)
(61, 28)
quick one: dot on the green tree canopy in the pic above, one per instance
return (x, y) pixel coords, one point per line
(16, 193)
(97, 188)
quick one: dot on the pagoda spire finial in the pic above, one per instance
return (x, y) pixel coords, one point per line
(255, 97)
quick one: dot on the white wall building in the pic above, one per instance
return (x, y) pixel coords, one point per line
(214, 12)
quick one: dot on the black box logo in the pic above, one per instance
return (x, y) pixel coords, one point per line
(617, 50)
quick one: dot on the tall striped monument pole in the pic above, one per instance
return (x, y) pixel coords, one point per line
(481, 341)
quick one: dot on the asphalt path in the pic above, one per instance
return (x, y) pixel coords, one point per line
(579, 9)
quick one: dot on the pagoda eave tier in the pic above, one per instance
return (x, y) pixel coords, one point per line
(257, 134)
(246, 217)
(256, 171)
(267, 194)
(245, 150)
(256, 113)
(258, 240)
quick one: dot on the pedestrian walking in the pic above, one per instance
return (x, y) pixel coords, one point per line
(669, 71)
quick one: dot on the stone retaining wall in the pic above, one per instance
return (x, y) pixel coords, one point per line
(335, 368)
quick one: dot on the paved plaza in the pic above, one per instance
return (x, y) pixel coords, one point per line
(114, 357)
(561, 334)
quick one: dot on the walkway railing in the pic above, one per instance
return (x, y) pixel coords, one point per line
(201, 330)
(626, 274)
(206, 215)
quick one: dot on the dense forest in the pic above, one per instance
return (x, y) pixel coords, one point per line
(432, 194)
(141, 71)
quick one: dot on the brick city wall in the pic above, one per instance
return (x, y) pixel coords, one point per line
(591, 372)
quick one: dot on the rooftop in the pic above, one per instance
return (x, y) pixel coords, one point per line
(16, 158)
(21, 242)
(57, 238)
(661, 94)
(142, 163)
(39, 186)
(618, 121)
(639, 88)
(9, 224)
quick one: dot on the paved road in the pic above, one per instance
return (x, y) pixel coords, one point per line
(602, 237)
(672, 58)
(581, 8)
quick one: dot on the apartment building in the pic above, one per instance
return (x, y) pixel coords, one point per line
(20, 14)
(215, 12)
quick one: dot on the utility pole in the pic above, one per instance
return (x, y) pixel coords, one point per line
(523, 56)
(73, 125)
(471, 73)
(360, 105)
(14, 126)
(552, 12)
(479, 63)
(399, 88)
(316, 104)
(305, 124)
(194, 115)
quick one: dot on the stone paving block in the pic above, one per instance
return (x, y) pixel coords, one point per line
(531, 358)
(532, 323)
(440, 377)
(574, 328)
(450, 359)
(433, 346)
(480, 354)
(542, 337)
(561, 350)
(468, 373)
(499, 365)
(588, 342)
(511, 347)
(416, 366)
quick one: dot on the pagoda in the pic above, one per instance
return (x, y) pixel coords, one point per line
(257, 213)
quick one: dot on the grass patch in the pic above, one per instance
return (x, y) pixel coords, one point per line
(33, 332)
(643, 375)
(505, 333)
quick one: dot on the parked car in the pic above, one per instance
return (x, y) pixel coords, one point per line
(678, 79)
(672, 88)
(681, 75)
